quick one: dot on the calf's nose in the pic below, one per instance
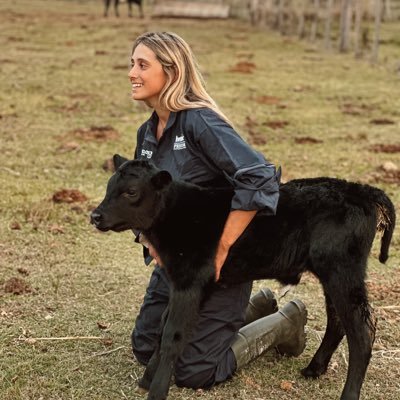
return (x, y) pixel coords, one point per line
(95, 218)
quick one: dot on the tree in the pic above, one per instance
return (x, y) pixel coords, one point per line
(328, 24)
(378, 18)
(345, 22)
(357, 28)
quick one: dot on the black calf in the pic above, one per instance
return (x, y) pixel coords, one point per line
(323, 225)
(116, 3)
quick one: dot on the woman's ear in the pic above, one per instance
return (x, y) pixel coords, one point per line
(176, 73)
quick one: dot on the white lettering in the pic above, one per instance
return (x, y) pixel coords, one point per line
(179, 143)
(146, 153)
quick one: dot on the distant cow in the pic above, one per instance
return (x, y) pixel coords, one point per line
(322, 225)
(116, 3)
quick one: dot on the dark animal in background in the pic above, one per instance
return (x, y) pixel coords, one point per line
(116, 3)
(323, 225)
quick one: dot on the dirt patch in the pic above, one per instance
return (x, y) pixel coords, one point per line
(69, 196)
(385, 148)
(357, 109)
(15, 225)
(68, 147)
(307, 140)
(97, 133)
(388, 173)
(16, 286)
(108, 165)
(23, 271)
(278, 124)
(243, 67)
(255, 137)
(268, 100)
(382, 121)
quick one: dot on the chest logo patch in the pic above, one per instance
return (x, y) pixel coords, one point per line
(146, 153)
(179, 143)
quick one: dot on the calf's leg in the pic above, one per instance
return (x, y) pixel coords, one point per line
(183, 311)
(152, 365)
(333, 335)
(106, 6)
(148, 327)
(349, 297)
(141, 10)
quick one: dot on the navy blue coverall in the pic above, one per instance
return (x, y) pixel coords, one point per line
(197, 146)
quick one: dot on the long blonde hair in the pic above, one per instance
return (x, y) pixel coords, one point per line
(185, 86)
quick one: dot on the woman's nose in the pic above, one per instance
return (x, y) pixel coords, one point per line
(132, 73)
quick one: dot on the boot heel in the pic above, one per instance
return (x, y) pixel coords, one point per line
(296, 313)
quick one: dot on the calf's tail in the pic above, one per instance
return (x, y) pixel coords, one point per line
(386, 221)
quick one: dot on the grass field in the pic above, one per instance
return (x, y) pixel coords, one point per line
(65, 109)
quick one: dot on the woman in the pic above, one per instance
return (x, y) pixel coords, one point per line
(189, 136)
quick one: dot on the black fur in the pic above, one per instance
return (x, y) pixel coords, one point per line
(116, 4)
(322, 225)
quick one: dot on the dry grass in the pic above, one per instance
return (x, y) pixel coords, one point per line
(63, 77)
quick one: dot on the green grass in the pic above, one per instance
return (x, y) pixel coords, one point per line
(63, 68)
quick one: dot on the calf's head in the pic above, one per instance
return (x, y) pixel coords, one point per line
(133, 198)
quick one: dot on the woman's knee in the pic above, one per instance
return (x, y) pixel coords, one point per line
(142, 349)
(194, 378)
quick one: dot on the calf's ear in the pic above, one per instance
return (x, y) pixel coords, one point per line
(161, 179)
(118, 160)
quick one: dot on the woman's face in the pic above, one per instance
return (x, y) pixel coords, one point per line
(146, 75)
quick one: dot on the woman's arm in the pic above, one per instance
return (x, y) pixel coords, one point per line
(235, 225)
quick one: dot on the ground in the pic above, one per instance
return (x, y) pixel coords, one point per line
(65, 109)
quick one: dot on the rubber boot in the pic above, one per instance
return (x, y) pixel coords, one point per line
(260, 305)
(284, 330)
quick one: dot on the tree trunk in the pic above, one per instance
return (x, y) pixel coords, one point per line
(301, 17)
(357, 28)
(345, 22)
(328, 24)
(314, 24)
(388, 10)
(378, 17)
(280, 17)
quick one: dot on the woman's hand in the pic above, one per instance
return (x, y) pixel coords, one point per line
(235, 225)
(152, 251)
(220, 257)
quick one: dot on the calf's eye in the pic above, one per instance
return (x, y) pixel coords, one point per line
(131, 193)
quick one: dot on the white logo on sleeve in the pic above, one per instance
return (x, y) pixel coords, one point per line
(146, 153)
(179, 143)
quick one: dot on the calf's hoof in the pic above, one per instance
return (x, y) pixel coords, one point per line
(313, 371)
(144, 384)
(156, 395)
(141, 391)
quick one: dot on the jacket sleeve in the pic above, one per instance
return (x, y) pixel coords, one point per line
(254, 179)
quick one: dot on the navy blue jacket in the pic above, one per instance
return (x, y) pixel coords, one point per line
(199, 147)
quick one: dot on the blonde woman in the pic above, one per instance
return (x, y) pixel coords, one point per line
(189, 136)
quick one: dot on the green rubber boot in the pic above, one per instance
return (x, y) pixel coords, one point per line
(283, 330)
(260, 305)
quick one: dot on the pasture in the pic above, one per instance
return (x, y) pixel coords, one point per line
(68, 294)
